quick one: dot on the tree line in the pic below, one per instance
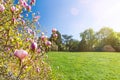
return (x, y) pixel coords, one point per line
(106, 39)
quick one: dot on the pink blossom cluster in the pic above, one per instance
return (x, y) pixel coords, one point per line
(2, 7)
(23, 3)
(45, 40)
(21, 54)
(20, 40)
(55, 35)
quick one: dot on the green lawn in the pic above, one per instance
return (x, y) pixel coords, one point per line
(85, 65)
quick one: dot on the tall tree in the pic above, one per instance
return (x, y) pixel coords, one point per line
(66, 41)
(87, 40)
(73, 45)
(105, 36)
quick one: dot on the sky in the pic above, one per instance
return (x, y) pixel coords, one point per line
(74, 16)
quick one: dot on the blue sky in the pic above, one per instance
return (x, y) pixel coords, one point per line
(74, 16)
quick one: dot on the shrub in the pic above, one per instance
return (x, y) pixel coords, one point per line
(20, 56)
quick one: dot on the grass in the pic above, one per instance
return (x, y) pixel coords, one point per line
(85, 65)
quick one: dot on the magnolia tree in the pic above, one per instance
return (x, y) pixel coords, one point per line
(20, 56)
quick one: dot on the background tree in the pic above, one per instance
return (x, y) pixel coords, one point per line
(105, 36)
(87, 40)
(73, 45)
(116, 41)
(66, 41)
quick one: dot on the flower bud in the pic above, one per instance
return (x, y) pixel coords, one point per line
(54, 30)
(28, 8)
(13, 20)
(8, 49)
(37, 70)
(38, 50)
(32, 2)
(13, 8)
(24, 4)
(2, 8)
(55, 35)
(48, 43)
(21, 54)
(33, 46)
(27, 39)
(33, 33)
(43, 38)
(21, 1)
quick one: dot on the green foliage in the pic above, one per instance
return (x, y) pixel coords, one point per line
(104, 36)
(88, 40)
(66, 41)
(73, 45)
(95, 41)
(85, 65)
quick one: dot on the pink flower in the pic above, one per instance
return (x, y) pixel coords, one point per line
(21, 54)
(28, 8)
(38, 50)
(48, 43)
(29, 30)
(21, 1)
(36, 18)
(14, 20)
(8, 49)
(43, 38)
(55, 35)
(13, 8)
(54, 30)
(2, 8)
(27, 39)
(32, 2)
(24, 4)
(34, 46)
(33, 33)
(37, 70)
